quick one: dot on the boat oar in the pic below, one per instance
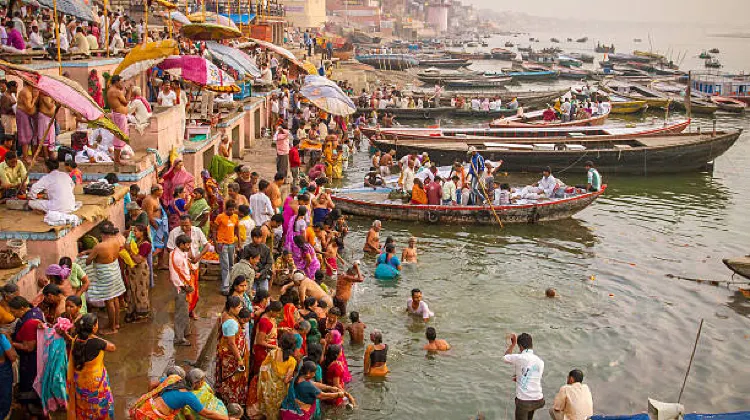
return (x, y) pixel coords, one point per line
(487, 196)
(690, 364)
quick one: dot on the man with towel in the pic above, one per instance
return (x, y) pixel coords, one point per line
(119, 105)
(28, 98)
(108, 285)
(157, 219)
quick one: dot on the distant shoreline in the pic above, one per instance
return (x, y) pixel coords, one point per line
(731, 35)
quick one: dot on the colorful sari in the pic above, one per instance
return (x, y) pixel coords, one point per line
(298, 254)
(95, 89)
(288, 321)
(6, 388)
(143, 409)
(173, 179)
(139, 276)
(213, 194)
(272, 388)
(25, 330)
(231, 385)
(291, 409)
(52, 360)
(197, 210)
(209, 400)
(90, 394)
(267, 326)
(335, 370)
(337, 339)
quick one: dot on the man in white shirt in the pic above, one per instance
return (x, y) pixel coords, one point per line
(260, 205)
(407, 178)
(573, 401)
(198, 239)
(35, 39)
(528, 376)
(167, 97)
(548, 183)
(449, 191)
(59, 188)
(179, 274)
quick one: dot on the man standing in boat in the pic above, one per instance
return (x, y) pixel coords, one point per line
(477, 168)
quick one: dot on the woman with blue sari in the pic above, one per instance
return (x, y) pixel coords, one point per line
(8, 356)
(302, 398)
(388, 266)
(24, 341)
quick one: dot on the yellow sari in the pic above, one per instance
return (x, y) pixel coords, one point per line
(272, 388)
(89, 394)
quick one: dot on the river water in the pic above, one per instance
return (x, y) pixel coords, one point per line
(619, 317)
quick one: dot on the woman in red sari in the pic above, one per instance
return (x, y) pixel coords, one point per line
(176, 177)
(264, 335)
(95, 88)
(333, 372)
(232, 355)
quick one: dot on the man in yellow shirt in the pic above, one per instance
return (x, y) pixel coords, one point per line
(12, 175)
(573, 401)
(80, 43)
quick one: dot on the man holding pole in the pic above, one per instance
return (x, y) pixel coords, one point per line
(45, 126)
(119, 105)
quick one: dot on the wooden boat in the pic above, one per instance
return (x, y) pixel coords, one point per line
(554, 40)
(604, 49)
(509, 45)
(569, 73)
(526, 134)
(534, 119)
(374, 203)
(621, 105)
(712, 63)
(728, 104)
(568, 61)
(482, 82)
(705, 56)
(642, 155)
(582, 40)
(389, 61)
(652, 56)
(442, 112)
(740, 265)
(714, 51)
(444, 63)
(698, 104)
(526, 75)
(527, 99)
(502, 54)
(738, 415)
(470, 55)
(636, 92)
(434, 75)
(586, 58)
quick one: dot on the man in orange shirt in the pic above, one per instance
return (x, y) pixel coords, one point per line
(226, 231)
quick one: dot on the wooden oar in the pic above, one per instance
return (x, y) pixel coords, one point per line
(487, 196)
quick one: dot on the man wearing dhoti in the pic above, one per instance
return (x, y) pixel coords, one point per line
(119, 105)
(28, 99)
(108, 285)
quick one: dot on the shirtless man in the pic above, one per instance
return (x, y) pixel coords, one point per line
(356, 329)
(309, 288)
(274, 190)
(344, 284)
(152, 206)
(119, 105)
(28, 98)
(376, 159)
(386, 161)
(45, 130)
(108, 285)
(409, 254)
(372, 243)
(268, 231)
(233, 193)
(433, 343)
(7, 113)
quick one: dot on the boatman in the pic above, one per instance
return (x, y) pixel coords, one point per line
(594, 181)
(119, 105)
(477, 167)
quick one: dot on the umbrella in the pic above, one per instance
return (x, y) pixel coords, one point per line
(326, 95)
(166, 4)
(144, 56)
(273, 47)
(237, 59)
(67, 93)
(75, 8)
(309, 67)
(209, 32)
(198, 70)
(210, 17)
(177, 17)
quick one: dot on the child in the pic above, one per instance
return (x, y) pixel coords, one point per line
(331, 255)
(283, 268)
(502, 195)
(246, 225)
(356, 329)
(75, 174)
(409, 254)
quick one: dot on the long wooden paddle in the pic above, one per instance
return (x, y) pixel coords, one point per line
(487, 196)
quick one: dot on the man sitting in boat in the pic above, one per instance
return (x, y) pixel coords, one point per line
(513, 104)
(594, 180)
(549, 114)
(373, 179)
(549, 185)
(475, 104)
(496, 104)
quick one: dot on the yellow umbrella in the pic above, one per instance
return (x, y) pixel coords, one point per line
(166, 4)
(144, 56)
(209, 32)
(309, 67)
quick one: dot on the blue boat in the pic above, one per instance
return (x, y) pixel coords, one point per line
(526, 75)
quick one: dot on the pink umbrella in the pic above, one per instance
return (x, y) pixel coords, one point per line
(198, 70)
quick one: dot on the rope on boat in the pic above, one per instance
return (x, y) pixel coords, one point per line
(711, 282)
(574, 163)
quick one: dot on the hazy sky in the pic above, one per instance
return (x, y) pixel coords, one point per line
(711, 12)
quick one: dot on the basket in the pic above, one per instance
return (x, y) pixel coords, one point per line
(13, 204)
(99, 188)
(9, 260)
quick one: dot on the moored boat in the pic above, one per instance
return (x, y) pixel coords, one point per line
(621, 105)
(698, 103)
(502, 54)
(641, 155)
(740, 265)
(480, 82)
(637, 92)
(441, 112)
(388, 61)
(729, 104)
(444, 63)
(534, 119)
(374, 203)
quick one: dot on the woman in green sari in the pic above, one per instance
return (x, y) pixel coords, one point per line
(200, 211)
(196, 382)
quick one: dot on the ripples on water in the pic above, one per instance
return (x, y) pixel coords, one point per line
(618, 317)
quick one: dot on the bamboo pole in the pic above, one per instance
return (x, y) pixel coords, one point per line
(145, 21)
(46, 133)
(106, 27)
(57, 38)
(690, 364)
(486, 196)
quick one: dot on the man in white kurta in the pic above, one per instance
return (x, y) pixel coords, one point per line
(59, 188)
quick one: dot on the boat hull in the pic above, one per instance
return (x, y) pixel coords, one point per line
(630, 107)
(687, 157)
(594, 121)
(432, 113)
(467, 215)
(739, 265)
(729, 104)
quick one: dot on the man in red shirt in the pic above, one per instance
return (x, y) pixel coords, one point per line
(434, 191)
(6, 147)
(294, 161)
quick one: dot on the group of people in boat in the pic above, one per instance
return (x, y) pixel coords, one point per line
(567, 109)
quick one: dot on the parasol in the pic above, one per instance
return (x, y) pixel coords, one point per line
(75, 8)
(209, 32)
(177, 17)
(237, 59)
(166, 4)
(326, 95)
(144, 56)
(273, 47)
(198, 70)
(309, 67)
(67, 93)
(210, 17)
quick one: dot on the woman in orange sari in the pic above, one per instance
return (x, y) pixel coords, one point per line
(232, 355)
(167, 400)
(89, 394)
(418, 194)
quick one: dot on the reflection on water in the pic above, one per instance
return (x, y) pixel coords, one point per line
(618, 316)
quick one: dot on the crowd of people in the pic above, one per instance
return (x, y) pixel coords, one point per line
(571, 109)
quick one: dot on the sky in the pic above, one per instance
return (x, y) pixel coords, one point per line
(731, 12)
